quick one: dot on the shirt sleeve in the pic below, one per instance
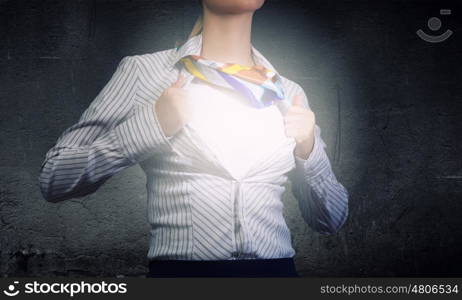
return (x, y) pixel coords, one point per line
(111, 135)
(322, 199)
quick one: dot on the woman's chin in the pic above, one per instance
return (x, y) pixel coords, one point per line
(233, 6)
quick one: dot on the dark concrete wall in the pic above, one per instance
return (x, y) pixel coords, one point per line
(389, 105)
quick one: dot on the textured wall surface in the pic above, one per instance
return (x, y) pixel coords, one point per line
(389, 105)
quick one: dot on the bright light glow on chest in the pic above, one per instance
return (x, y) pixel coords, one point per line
(237, 133)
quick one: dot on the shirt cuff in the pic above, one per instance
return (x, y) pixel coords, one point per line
(141, 135)
(314, 168)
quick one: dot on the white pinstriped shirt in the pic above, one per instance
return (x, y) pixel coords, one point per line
(196, 208)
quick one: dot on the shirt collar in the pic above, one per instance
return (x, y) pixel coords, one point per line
(193, 46)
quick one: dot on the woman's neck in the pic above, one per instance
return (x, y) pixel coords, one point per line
(227, 38)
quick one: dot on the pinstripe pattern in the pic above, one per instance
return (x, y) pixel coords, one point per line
(196, 209)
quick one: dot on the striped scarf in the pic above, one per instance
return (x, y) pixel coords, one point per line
(259, 85)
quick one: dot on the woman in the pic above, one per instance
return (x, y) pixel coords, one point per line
(210, 125)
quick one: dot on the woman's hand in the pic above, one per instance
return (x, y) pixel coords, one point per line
(299, 123)
(172, 108)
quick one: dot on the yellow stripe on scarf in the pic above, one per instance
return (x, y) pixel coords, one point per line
(233, 69)
(192, 69)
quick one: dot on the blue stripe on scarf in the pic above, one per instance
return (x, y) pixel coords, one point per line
(241, 88)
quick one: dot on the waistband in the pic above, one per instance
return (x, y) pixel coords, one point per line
(273, 267)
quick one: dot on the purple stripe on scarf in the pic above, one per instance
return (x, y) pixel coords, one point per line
(241, 88)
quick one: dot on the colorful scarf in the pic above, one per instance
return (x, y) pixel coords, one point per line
(259, 85)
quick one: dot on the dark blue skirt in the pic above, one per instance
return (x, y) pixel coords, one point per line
(276, 267)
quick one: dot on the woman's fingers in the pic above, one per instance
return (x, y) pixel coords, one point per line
(294, 118)
(297, 100)
(179, 82)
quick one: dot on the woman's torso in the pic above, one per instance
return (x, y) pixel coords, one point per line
(218, 195)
